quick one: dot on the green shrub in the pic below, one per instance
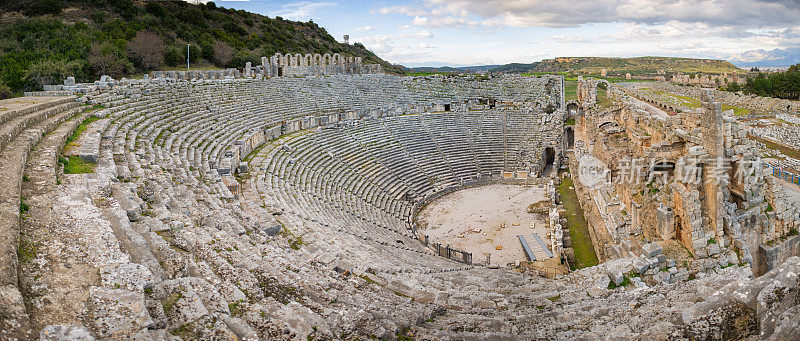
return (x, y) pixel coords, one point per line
(76, 165)
(154, 8)
(50, 72)
(173, 57)
(194, 53)
(42, 7)
(37, 50)
(5, 91)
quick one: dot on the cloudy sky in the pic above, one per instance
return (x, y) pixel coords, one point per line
(469, 32)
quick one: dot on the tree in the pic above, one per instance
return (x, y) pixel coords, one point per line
(194, 53)
(49, 72)
(5, 91)
(732, 87)
(103, 59)
(154, 8)
(173, 57)
(41, 7)
(146, 50)
(223, 53)
(794, 68)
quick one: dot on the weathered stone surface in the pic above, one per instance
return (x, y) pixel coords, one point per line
(118, 312)
(651, 250)
(74, 332)
(192, 252)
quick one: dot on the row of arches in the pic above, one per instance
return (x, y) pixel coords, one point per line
(664, 106)
(300, 60)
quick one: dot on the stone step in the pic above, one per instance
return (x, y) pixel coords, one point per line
(10, 129)
(24, 109)
(14, 158)
(41, 166)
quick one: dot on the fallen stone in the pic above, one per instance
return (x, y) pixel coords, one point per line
(651, 250)
(58, 332)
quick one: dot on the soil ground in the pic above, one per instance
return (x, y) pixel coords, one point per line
(472, 220)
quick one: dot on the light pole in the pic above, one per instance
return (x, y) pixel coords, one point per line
(187, 57)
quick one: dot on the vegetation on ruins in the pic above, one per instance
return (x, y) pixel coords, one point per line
(784, 85)
(76, 165)
(585, 255)
(43, 41)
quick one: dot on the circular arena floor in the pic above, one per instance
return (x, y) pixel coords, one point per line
(482, 219)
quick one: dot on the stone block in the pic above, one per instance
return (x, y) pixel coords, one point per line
(661, 276)
(651, 250)
(733, 258)
(640, 265)
(57, 332)
(696, 150)
(653, 262)
(615, 275)
(118, 312)
(713, 249)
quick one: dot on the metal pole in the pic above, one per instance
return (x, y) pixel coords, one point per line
(187, 57)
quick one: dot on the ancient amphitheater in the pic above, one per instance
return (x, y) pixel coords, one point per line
(255, 207)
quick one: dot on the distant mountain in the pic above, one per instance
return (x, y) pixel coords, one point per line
(437, 65)
(635, 65)
(448, 69)
(515, 68)
(763, 58)
(593, 65)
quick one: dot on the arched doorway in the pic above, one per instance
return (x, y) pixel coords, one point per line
(548, 159)
(572, 109)
(569, 137)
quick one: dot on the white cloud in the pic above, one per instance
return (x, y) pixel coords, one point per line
(303, 10)
(406, 10)
(401, 46)
(448, 21)
(690, 28)
(364, 28)
(547, 13)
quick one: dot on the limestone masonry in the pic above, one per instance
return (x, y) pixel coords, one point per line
(277, 201)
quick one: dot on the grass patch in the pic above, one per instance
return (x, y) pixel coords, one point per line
(23, 207)
(790, 152)
(169, 303)
(76, 165)
(626, 281)
(80, 129)
(236, 309)
(602, 98)
(295, 242)
(570, 90)
(254, 152)
(585, 255)
(185, 332)
(26, 252)
(370, 280)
